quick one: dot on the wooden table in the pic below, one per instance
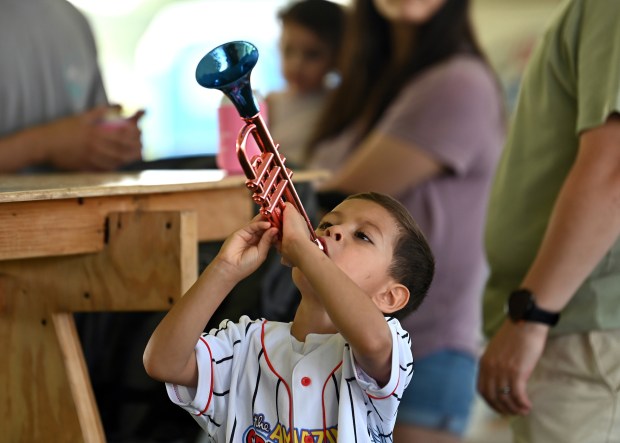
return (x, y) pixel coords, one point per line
(86, 243)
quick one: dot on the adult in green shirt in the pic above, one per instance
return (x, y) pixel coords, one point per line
(552, 233)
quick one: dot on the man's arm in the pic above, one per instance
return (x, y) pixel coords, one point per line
(169, 355)
(76, 143)
(584, 224)
(22, 149)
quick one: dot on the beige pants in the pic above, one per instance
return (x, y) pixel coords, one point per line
(575, 391)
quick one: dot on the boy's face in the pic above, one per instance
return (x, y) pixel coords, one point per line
(306, 59)
(359, 237)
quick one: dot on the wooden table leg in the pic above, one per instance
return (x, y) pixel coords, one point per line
(78, 378)
(38, 402)
(149, 260)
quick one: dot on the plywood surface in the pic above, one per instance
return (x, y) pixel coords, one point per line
(16, 188)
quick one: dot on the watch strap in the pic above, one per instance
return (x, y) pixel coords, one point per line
(522, 307)
(539, 316)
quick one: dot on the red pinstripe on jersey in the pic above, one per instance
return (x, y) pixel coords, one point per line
(288, 390)
(211, 391)
(323, 396)
(391, 393)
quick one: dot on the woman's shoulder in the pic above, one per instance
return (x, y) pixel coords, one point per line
(465, 74)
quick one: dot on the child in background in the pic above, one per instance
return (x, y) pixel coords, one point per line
(335, 373)
(309, 46)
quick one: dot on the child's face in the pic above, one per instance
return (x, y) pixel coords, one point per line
(359, 237)
(306, 59)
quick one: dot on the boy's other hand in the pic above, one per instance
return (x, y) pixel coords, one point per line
(294, 234)
(246, 249)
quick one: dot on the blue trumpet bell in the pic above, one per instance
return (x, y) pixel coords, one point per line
(228, 68)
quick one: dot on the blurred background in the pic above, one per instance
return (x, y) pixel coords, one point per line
(149, 49)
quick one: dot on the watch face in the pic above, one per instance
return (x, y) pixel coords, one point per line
(519, 304)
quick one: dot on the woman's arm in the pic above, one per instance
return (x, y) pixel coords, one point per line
(383, 164)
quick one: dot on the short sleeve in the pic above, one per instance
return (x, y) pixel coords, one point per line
(449, 111)
(598, 63)
(196, 400)
(217, 354)
(402, 366)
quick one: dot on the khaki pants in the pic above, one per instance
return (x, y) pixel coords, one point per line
(575, 391)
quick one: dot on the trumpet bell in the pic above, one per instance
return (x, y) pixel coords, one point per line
(228, 68)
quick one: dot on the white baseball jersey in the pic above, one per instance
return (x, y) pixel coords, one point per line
(257, 384)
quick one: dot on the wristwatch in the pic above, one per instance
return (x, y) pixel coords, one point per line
(522, 307)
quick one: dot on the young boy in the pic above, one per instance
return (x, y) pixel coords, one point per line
(337, 372)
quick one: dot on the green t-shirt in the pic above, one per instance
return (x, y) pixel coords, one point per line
(571, 84)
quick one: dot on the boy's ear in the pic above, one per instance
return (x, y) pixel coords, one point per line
(393, 299)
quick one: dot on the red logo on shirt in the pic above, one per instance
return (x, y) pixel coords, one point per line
(253, 437)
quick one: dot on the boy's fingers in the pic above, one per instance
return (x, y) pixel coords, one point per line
(257, 225)
(268, 237)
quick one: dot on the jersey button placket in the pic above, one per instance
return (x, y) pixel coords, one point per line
(306, 381)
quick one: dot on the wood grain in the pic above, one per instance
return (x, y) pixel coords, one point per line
(76, 226)
(150, 259)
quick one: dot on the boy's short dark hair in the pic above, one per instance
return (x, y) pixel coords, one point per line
(323, 17)
(413, 263)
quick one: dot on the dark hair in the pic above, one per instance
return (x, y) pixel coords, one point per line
(413, 264)
(324, 18)
(368, 83)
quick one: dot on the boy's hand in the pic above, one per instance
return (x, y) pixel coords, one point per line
(295, 235)
(246, 249)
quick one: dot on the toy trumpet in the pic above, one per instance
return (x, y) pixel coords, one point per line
(228, 68)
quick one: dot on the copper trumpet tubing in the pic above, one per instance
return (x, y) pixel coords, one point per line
(267, 176)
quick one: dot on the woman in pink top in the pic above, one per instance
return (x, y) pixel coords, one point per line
(419, 115)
